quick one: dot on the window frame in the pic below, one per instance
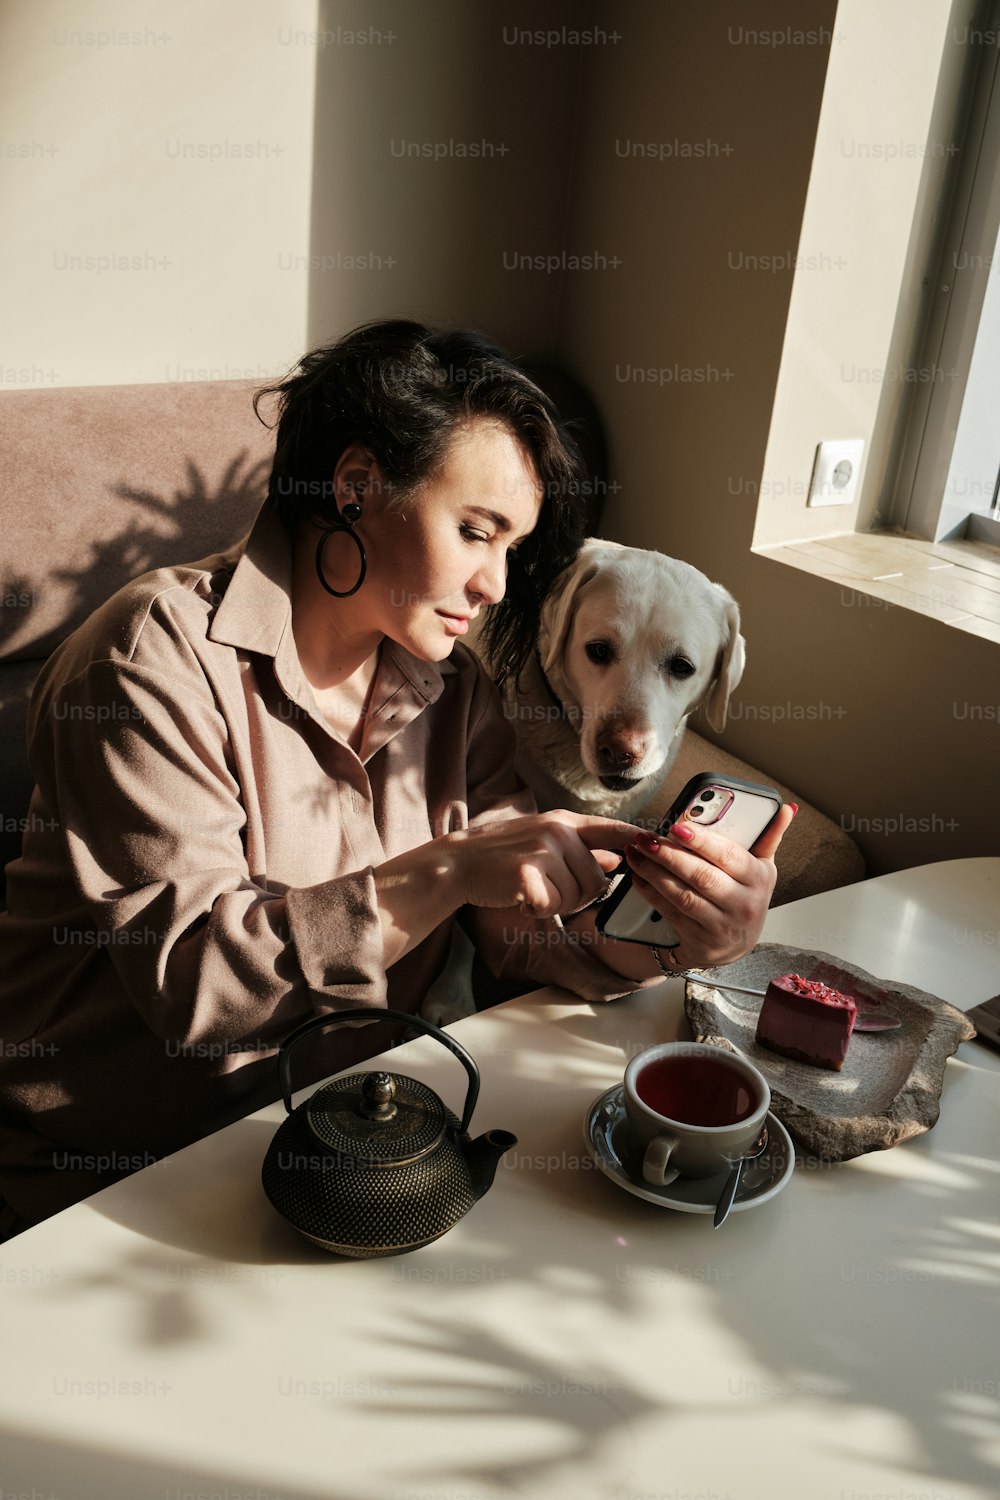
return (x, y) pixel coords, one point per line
(959, 270)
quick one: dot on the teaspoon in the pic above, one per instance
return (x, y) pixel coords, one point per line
(733, 1180)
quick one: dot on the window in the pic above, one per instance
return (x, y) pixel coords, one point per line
(893, 328)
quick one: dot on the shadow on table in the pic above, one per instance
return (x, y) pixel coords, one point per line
(224, 1217)
(836, 1343)
(53, 1466)
(838, 1334)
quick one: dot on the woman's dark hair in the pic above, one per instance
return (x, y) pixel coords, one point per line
(402, 391)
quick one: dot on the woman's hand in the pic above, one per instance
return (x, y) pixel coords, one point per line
(710, 890)
(546, 864)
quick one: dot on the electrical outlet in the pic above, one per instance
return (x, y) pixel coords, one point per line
(835, 472)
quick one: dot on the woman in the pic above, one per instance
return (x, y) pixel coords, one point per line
(267, 781)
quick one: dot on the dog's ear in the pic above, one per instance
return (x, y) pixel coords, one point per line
(556, 614)
(728, 668)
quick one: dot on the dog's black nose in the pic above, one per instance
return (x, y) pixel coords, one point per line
(617, 755)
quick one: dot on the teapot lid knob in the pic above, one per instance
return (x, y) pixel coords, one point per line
(377, 1094)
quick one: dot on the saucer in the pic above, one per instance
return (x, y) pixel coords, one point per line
(609, 1137)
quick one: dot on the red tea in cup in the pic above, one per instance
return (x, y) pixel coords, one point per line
(696, 1090)
(693, 1108)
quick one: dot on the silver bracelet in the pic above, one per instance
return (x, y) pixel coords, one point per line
(667, 964)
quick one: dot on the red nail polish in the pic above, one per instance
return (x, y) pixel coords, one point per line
(646, 841)
(683, 831)
(795, 807)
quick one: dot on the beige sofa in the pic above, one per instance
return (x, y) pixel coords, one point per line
(102, 483)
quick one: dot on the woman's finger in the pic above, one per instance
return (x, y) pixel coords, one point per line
(671, 897)
(611, 864)
(769, 840)
(539, 896)
(588, 872)
(672, 900)
(717, 850)
(716, 939)
(712, 881)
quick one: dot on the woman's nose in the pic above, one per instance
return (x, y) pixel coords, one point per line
(490, 581)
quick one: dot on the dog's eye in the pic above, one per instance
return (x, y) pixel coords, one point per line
(600, 653)
(679, 666)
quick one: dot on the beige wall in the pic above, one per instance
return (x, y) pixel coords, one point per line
(179, 140)
(433, 231)
(886, 720)
(156, 164)
(681, 344)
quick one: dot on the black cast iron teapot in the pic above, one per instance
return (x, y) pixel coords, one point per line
(374, 1164)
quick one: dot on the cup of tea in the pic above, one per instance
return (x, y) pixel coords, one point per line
(694, 1108)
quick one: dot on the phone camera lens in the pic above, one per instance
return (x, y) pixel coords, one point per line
(707, 795)
(696, 812)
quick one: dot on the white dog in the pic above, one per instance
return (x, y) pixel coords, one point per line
(630, 643)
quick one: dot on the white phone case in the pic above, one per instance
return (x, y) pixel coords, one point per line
(635, 921)
(743, 820)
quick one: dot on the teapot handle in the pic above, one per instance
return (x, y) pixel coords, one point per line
(368, 1013)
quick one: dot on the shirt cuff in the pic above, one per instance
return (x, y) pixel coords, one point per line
(337, 935)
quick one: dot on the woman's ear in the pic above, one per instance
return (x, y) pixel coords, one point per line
(357, 477)
(728, 668)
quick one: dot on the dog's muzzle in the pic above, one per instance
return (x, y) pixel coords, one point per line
(620, 783)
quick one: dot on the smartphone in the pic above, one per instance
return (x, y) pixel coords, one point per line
(741, 810)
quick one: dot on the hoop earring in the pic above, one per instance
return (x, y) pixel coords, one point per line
(348, 516)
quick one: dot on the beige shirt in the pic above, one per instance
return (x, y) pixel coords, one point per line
(197, 874)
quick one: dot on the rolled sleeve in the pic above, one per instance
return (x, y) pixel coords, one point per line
(337, 934)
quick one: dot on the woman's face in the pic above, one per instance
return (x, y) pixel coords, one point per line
(438, 563)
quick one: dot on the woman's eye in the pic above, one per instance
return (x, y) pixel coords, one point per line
(600, 653)
(472, 535)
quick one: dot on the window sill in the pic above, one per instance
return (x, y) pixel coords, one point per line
(957, 583)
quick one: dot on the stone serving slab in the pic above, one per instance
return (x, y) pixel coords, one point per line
(889, 1088)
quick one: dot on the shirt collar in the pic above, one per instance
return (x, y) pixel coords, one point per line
(257, 603)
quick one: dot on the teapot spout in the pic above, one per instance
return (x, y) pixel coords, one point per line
(483, 1154)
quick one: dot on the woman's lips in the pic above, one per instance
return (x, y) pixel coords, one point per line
(457, 624)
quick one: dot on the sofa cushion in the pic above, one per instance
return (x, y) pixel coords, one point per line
(16, 680)
(100, 484)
